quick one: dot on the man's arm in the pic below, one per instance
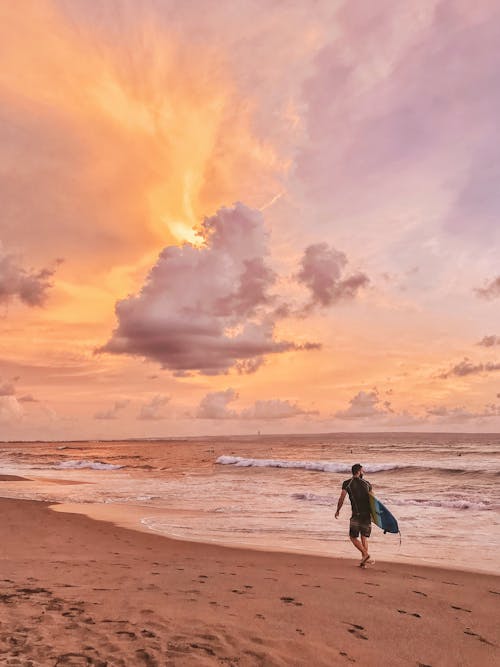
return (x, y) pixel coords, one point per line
(340, 502)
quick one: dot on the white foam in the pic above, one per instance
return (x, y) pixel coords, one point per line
(370, 468)
(93, 465)
(321, 466)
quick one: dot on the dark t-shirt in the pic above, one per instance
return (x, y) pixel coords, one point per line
(358, 495)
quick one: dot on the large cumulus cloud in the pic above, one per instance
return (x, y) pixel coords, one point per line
(206, 308)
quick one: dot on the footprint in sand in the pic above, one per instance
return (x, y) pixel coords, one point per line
(126, 633)
(345, 655)
(363, 593)
(460, 608)
(420, 593)
(355, 630)
(148, 633)
(468, 631)
(410, 613)
(290, 600)
(146, 660)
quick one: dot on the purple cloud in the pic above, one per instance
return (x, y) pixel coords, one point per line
(489, 341)
(321, 272)
(209, 308)
(468, 367)
(489, 291)
(30, 287)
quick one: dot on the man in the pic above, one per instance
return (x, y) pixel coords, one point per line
(360, 523)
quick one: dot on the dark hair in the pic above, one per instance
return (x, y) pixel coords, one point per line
(356, 468)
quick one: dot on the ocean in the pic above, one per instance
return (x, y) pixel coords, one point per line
(280, 492)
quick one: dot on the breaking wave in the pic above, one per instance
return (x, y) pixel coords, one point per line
(326, 466)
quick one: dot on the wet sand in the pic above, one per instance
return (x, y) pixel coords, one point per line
(75, 591)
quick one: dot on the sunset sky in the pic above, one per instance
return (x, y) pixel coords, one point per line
(231, 216)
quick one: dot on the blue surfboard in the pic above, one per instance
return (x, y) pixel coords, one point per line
(382, 517)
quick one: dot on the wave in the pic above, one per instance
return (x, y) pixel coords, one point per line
(456, 504)
(325, 466)
(321, 466)
(93, 465)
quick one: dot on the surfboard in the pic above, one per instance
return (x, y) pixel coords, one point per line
(382, 517)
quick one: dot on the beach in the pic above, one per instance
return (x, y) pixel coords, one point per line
(76, 591)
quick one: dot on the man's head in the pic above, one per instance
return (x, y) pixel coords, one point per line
(357, 470)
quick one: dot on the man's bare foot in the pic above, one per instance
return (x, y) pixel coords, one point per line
(364, 560)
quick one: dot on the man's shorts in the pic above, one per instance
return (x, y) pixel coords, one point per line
(360, 524)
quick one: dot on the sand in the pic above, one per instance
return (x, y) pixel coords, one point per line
(76, 591)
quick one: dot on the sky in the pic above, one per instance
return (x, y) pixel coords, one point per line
(227, 217)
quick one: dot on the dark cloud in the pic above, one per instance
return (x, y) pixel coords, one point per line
(28, 286)
(468, 367)
(489, 341)
(490, 290)
(209, 308)
(322, 269)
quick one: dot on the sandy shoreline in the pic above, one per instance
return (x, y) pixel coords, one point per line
(75, 591)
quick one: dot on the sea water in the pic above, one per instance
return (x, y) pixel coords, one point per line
(281, 492)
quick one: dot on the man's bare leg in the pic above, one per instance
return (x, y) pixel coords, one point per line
(364, 542)
(359, 546)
